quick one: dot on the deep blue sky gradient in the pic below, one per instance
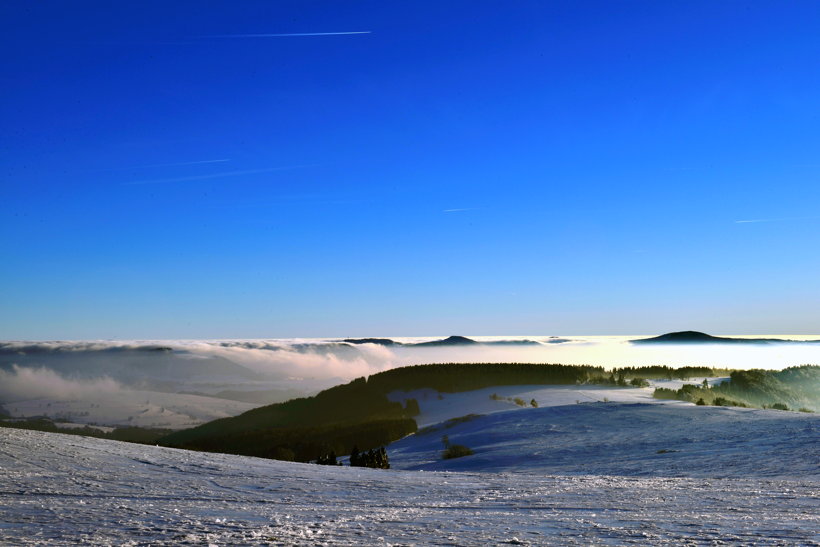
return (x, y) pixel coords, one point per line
(466, 167)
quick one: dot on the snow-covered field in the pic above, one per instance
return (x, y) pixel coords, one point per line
(665, 439)
(627, 471)
(601, 430)
(437, 407)
(60, 489)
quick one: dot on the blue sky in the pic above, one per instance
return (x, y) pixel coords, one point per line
(459, 167)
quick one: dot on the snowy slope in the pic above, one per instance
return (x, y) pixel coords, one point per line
(437, 407)
(607, 430)
(634, 439)
(60, 489)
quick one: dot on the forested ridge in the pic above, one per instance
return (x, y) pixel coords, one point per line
(360, 414)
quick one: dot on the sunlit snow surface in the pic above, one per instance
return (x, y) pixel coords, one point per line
(579, 474)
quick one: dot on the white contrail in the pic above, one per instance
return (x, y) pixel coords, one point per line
(458, 210)
(751, 221)
(175, 164)
(213, 175)
(288, 34)
(187, 163)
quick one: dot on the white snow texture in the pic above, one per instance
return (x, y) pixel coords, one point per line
(597, 473)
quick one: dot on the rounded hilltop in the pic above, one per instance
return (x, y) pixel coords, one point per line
(697, 337)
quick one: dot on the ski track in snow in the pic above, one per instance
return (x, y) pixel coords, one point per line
(60, 489)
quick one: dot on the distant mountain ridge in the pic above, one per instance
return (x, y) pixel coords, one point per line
(449, 341)
(696, 337)
(378, 341)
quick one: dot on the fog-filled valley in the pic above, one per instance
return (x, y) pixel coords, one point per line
(132, 383)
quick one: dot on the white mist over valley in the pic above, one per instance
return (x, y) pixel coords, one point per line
(181, 383)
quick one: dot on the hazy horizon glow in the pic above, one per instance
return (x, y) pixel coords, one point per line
(333, 359)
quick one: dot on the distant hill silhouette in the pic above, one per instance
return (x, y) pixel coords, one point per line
(512, 343)
(464, 341)
(695, 337)
(379, 341)
(450, 341)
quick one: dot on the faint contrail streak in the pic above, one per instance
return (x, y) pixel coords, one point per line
(175, 164)
(187, 163)
(288, 34)
(751, 221)
(213, 175)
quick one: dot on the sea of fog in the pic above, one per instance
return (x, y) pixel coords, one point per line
(618, 351)
(178, 383)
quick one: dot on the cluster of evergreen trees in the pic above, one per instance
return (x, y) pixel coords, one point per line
(328, 459)
(794, 387)
(696, 393)
(375, 458)
(658, 372)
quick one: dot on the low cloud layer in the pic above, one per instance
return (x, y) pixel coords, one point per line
(300, 360)
(77, 369)
(24, 383)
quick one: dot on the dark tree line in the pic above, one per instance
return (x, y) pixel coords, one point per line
(328, 459)
(455, 377)
(305, 444)
(375, 458)
(656, 372)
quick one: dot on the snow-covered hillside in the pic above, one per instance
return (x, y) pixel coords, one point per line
(437, 407)
(600, 430)
(673, 439)
(578, 474)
